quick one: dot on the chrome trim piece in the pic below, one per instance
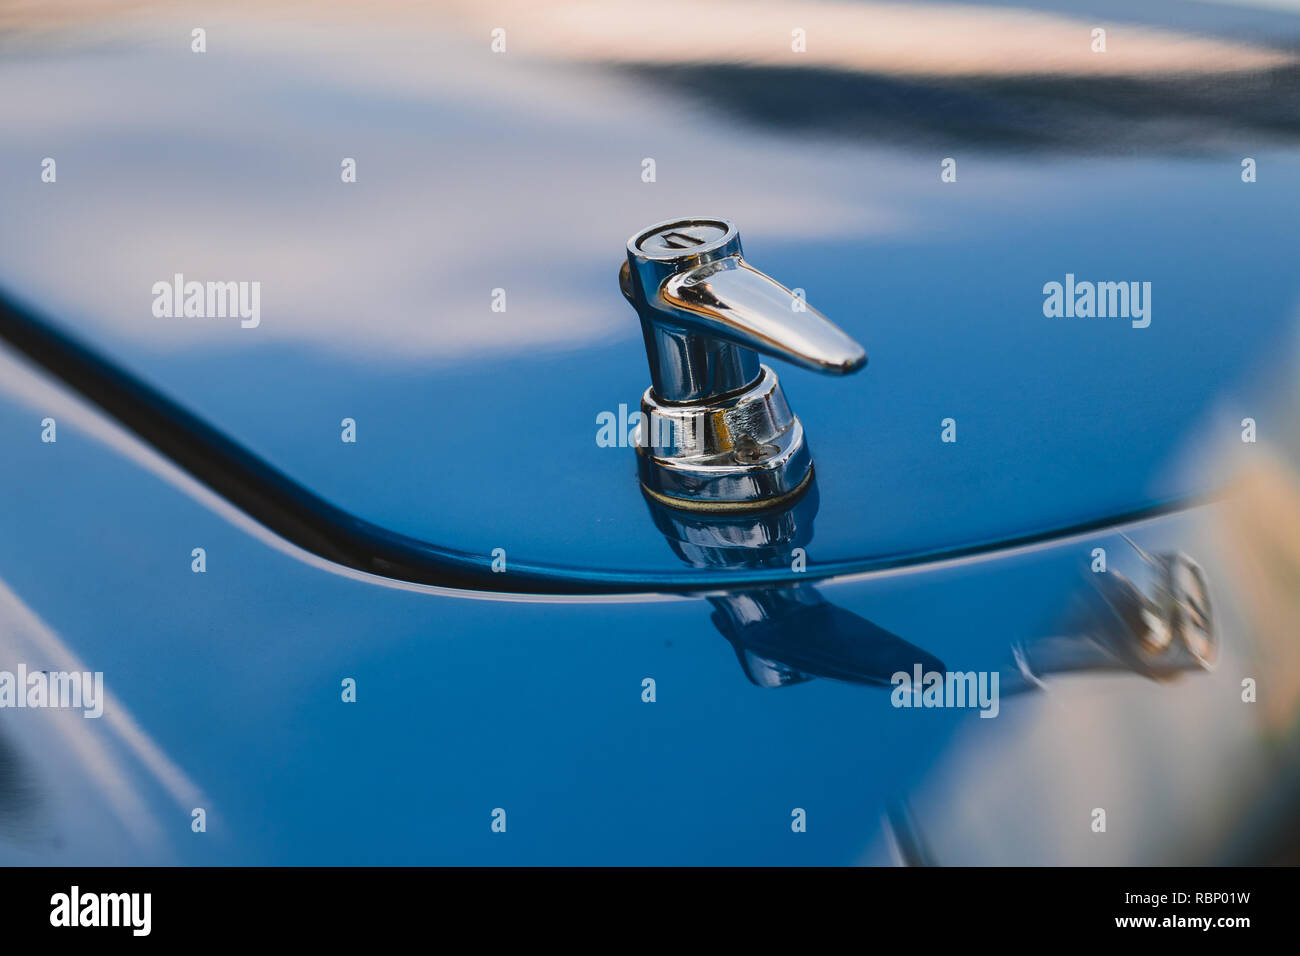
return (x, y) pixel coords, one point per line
(717, 431)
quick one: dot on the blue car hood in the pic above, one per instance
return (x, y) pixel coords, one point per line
(480, 429)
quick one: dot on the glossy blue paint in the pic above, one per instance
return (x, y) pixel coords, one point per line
(231, 680)
(477, 430)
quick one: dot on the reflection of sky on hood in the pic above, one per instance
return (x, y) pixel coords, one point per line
(230, 168)
(479, 172)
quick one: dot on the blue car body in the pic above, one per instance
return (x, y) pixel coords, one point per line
(548, 667)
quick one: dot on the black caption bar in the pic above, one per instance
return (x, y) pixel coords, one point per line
(377, 905)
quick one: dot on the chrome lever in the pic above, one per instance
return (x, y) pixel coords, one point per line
(716, 430)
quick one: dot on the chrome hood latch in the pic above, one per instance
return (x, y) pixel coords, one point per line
(716, 432)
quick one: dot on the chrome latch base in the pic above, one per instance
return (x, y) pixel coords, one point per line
(742, 451)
